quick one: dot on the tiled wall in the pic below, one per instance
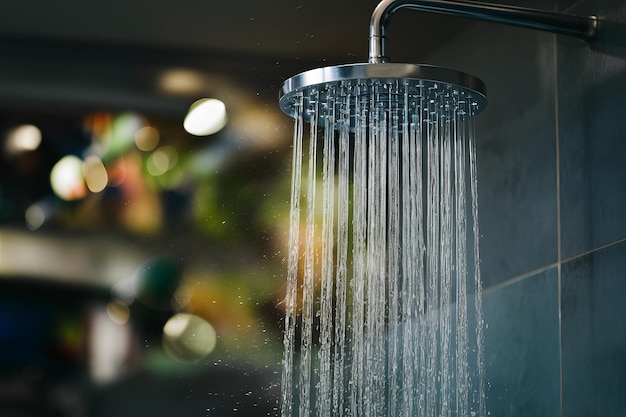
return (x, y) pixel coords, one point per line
(552, 179)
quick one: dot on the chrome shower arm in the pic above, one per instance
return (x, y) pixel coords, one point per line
(578, 26)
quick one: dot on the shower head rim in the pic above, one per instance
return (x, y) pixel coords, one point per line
(382, 71)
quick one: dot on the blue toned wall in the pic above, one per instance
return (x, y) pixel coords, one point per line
(552, 183)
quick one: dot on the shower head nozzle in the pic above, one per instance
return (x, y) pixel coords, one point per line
(380, 79)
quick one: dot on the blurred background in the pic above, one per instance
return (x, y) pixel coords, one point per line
(142, 254)
(144, 187)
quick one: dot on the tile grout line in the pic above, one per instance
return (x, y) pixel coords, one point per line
(557, 134)
(567, 9)
(522, 277)
(556, 264)
(592, 251)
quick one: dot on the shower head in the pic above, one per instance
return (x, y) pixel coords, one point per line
(384, 80)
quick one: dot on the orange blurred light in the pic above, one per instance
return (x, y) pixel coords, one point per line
(182, 81)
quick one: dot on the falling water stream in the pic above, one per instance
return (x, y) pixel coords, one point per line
(383, 301)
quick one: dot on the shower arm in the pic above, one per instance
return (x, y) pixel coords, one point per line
(578, 26)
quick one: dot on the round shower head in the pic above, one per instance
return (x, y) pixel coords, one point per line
(416, 77)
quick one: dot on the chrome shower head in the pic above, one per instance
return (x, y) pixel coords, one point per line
(389, 84)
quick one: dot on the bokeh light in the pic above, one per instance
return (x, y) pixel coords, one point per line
(187, 337)
(162, 160)
(23, 138)
(147, 138)
(205, 117)
(35, 217)
(182, 81)
(67, 179)
(123, 130)
(95, 174)
(113, 135)
(182, 296)
(40, 212)
(118, 311)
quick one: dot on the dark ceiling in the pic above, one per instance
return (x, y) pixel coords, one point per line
(65, 53)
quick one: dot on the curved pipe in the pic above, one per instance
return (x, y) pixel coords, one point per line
(581, 27)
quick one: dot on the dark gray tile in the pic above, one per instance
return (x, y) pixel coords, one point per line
(594, 334)
(516, 145)
(522, 347)
(592, 103)
(564, 6)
